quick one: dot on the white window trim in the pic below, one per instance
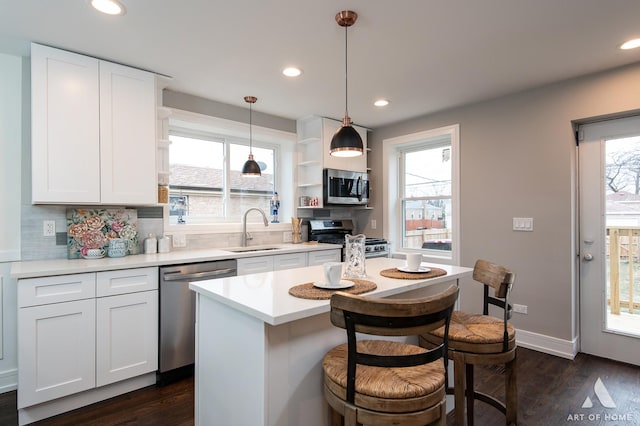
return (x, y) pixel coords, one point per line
(391, 198)
(286, 141)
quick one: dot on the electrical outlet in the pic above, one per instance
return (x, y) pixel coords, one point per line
(287, 236)
(179, 240)
(374, 224)
(49, 228)
(521, 309)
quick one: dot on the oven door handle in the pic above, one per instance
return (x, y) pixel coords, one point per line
(178, 276)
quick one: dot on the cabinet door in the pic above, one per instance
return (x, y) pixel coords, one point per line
(357, 164)
(253, 265)
(126, 336)
(127, 135)
(289, 261)
(320, 257)
(56, 350)
(65, 145)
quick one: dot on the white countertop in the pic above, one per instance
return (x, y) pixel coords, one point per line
(266, 295)
(40, 268)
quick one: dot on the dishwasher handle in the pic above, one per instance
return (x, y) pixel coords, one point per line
(178, 276)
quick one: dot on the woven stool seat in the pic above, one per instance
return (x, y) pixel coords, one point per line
(405, 388)
(475, 333)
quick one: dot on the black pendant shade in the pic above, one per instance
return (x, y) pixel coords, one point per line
(346, 142)
(251, 168)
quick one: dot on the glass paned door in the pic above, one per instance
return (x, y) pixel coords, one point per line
(609, 209)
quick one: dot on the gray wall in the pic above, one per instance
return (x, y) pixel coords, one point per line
(518, 158)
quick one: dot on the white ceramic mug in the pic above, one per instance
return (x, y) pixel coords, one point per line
(413, 261)
(332, 273)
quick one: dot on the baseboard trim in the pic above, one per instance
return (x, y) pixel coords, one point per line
(61, 405)
(547, 344)
(8, 380)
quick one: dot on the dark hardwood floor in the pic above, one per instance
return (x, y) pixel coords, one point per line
(551, 391)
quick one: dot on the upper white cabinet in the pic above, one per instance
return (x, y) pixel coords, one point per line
(93, 130)
(314, 138)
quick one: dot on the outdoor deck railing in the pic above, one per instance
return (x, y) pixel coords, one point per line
(623, 244)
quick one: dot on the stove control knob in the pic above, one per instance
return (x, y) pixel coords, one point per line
(366, 249)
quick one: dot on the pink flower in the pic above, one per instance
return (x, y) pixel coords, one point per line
(117, 226)
(95, 222)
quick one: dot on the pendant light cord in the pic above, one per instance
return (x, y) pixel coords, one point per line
(250, 131)
(346, 73)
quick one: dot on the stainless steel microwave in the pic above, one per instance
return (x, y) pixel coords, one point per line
(345, 187)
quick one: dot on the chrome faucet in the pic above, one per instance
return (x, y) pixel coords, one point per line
(245, 235)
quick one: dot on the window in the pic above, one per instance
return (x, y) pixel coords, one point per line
(206, 185)
(422, 194)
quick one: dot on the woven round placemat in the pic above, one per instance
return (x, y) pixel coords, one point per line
(309, 291)
(396, 273)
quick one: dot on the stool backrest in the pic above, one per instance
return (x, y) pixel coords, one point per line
(391, 317)
(501, 280)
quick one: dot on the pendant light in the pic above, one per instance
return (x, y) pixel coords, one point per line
(346, 142)
(250, 168)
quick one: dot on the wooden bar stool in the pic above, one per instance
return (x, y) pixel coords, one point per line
(482, 340)
(387, 382)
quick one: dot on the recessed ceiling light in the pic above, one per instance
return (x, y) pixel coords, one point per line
(381, 103)
(631, 44)
(109, 7)
(292, 72)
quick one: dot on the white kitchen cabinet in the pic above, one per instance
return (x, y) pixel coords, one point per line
(81, 331)
(320, 257)
(126, 336)
(254, 265)
(314, 139)
(93, 130)
(127, 135)
(289, 261)
(56, 350)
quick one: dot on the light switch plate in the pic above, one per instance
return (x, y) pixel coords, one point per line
(523, 224)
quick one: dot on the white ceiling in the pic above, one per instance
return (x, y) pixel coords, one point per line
(423, 55)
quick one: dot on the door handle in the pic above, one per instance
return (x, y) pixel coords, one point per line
(588, 257)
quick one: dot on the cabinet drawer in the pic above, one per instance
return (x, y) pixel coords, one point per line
(289, 261)
(124, 281)
(61, 288)
(254, 265)
(320, 257)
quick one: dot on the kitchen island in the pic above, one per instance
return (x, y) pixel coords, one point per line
(259, 350)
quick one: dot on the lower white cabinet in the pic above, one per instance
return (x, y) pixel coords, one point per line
(106, 332)
(289, 261)
(126, 336)
(320, 257)
(254, 265)
(56, 350)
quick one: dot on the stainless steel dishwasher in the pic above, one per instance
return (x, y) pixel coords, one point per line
(178, 314)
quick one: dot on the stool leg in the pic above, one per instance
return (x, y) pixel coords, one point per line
(458, 387)
(336, 418)
(511, 390)
(469, 389)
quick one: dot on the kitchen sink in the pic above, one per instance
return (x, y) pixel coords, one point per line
(248, 249)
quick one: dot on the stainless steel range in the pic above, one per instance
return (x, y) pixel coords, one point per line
(333, 231)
